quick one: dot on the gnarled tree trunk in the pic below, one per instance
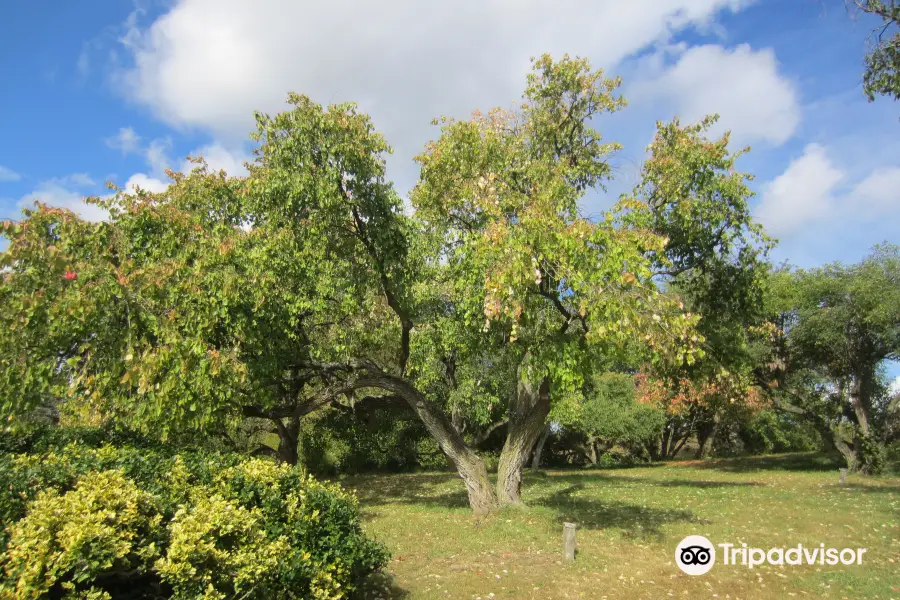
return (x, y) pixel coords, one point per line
(865, 444)
(527, 419)
(468, 464)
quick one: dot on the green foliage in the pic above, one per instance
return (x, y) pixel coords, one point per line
(882, 74)
(528, 279)
(188, 525)
(611, 413)
(770, 431)
(834, 327)
(338, 441)
(206, 300)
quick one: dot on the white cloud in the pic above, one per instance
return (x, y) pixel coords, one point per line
(878, 192)
(75, 180)
(54, 194)
(209, 64)
(7, 174)
(803, 194)
(144, 182)
(742, 85)
(219, 158)
(813, 190)
(126, 141)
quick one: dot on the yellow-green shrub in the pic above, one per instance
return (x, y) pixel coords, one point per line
(147, 522)
(104, 527)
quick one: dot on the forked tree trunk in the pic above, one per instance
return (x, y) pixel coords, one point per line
(288, 439)
(469, 465)
(848, 452)
(536, 461)
(527, 419)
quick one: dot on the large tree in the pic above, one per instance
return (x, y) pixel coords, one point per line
(305, 283)
(835, 327)
(501, 193)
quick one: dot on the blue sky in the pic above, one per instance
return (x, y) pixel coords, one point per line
(117, 90)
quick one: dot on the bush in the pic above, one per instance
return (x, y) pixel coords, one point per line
(148, 522)
(335, 441)
(772, 431)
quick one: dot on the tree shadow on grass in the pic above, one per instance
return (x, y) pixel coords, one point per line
(436, 489)
(598, 477)
(380, 585)
(635, 521)
(874, 488)
(808, 461)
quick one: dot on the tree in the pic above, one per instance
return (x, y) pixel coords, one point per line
(836, 327)
(608, 414)
(714, 262)
(500, 195)
(208, 299)
(882, 74)
(305, 283)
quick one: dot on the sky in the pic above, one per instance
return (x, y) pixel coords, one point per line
(120, 91)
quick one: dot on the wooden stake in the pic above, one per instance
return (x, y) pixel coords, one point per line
(569, 541)
(843, 476)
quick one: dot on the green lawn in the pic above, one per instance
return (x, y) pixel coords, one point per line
(630, 521)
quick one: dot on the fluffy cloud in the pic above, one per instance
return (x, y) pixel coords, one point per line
(144, 182)
(813, 190)
(879, 192)
(802, 195)
(7, 174)
(219, 158)
(742, 85)
(55, 194)
(209, 64)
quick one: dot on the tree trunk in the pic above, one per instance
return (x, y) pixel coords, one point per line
(527, 419)
(536, 461)
(664, 442)
(469, 465)
(706, 437)
(590, 452)
(859, 398)
(867, 448)
(288, 439)
(848, 452)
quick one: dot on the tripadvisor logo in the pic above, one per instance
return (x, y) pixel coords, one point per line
(696, 555)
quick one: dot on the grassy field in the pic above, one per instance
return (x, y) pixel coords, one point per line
(630, 521)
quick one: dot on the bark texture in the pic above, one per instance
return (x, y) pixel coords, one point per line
(527, 420)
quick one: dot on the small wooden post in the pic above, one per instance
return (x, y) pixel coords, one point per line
(569, 541)
(843, 476)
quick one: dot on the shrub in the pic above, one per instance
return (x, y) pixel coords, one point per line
(102, 528)
(771, 431)
(150, 522)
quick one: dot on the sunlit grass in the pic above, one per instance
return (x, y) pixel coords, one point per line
(630, 521)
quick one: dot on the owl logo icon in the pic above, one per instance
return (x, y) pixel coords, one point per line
(695, 555)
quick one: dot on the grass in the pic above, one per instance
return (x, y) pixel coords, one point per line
(629, 523)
